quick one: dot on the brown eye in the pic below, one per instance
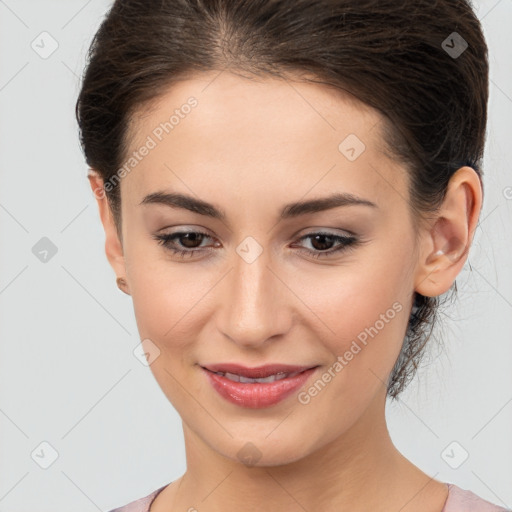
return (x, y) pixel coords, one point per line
(190, 239)
(322, 244)
(187, 243)
(183, 243)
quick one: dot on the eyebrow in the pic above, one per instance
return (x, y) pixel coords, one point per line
(291, 210)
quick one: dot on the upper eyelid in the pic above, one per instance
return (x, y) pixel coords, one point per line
(311, 230)
(305, 236)
(315, 231)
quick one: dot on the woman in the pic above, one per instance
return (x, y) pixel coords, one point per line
(287, 187)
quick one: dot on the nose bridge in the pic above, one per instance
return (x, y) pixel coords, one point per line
(252, 312)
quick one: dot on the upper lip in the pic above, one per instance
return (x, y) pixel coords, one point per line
(256, 372)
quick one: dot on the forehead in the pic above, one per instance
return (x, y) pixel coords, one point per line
(227, 99)
(218, 127)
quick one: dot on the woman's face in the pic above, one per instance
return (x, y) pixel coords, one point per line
(255, 290)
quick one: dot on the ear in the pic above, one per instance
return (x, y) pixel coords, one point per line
(446, 244)
(113, 246)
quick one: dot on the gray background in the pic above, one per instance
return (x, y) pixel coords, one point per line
(68, 376)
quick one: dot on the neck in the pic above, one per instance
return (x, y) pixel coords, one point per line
(360, 470)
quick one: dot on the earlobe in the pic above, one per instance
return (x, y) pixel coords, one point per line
(448, 242)
(113, 246)
(122, 285)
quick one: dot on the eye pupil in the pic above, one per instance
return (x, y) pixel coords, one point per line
(191, 237)
(322, 246)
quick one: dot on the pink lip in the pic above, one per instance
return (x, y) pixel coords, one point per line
(257, 395)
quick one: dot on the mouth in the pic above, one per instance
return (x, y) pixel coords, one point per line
(257, 387)
(267, 373)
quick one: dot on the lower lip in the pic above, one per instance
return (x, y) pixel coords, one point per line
(257, 395)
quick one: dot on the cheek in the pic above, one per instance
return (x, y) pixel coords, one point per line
(166, 305)
(172, 302)
(163, 293)
(361, 314)
(366, 326)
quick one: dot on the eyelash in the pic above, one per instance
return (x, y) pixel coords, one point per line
(348, 242)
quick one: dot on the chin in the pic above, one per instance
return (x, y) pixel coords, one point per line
(260, 450)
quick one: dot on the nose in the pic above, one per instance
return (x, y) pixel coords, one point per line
(255, 304)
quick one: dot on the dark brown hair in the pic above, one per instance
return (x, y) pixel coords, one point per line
(401, 57)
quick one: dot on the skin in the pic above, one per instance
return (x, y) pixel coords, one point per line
(249, 147)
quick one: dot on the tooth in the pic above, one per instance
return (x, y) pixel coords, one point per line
(270, 378)
(246, 379)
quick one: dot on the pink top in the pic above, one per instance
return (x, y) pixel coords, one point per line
(459, 500)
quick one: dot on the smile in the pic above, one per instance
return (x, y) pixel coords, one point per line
(257, 388)
(271, 378)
